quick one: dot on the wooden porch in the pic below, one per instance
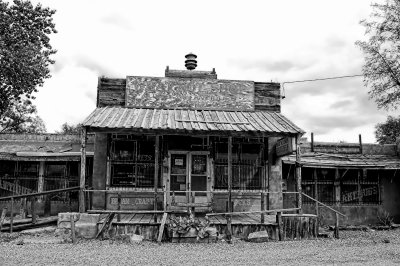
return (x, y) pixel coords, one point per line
(155, 219)
(292, 226)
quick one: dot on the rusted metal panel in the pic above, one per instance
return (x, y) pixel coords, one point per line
(190, 120)
(193, 93)
(346, 160)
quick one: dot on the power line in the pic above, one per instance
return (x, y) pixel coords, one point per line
(338, 77)
(318, 79)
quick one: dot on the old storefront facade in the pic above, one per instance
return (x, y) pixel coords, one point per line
(171, 142)
(31, 163)
(360, 180)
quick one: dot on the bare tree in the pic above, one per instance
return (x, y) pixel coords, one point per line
(382, 54)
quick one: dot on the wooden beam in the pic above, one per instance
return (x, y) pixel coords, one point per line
(229, 174)
(298, 174)
(229, 220)
(83, 171)
(156, 166)
(280, 225)
(41, 176)
(253, 212)
(55, 191)
(33, 210)
(312, 141)
(12, 216)
(134, 211)
(3, 217)
(161, 231)
(73, 236)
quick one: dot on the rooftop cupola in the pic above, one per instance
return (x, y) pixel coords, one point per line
(190, 62)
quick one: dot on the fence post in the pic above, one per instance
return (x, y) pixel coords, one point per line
(280, 225)
(73, 236)
(33, 211)
(47, 205)
(336, 232)
(12, 215)
(262, 207)
(22, 209)
(229, 228)
(119, 207)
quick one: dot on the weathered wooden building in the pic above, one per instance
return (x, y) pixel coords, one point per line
(362, 181)
(32, 163)
(171, 142)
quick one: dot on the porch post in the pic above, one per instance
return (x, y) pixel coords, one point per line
(229, 174)
(156, 160)
(229, 217)
(83, 171)
(40, 187)
(298, 175)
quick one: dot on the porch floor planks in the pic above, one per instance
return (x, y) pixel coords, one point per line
(255, 217)
(136, 219)
(242, 219)
(147, 219)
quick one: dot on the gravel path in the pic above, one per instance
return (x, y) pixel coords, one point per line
(354, 248)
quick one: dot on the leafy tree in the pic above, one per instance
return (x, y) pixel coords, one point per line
(70, 129)
(24, 59)
(382, 54)
(387, 132)
(22, 117)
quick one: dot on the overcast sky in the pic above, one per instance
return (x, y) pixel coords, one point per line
(276, 41)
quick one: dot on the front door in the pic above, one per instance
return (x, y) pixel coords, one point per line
(189, 179)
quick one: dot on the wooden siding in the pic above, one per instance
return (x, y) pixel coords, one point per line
(169, 73)
(189, 93)
(111, 92)
(267, 96)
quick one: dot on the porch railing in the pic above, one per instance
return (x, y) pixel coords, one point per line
(33, 197)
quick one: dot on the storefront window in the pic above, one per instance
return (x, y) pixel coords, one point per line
(132, 161)
(354, 186)
(248, 168)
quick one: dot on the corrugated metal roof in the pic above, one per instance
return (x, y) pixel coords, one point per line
(346, 160)
(190, 120)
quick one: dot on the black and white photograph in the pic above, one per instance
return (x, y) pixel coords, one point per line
(223, 132)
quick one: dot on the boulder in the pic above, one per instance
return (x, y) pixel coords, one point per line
(135, 239)
(258, 237)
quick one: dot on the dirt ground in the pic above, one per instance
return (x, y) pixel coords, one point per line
(354, 248)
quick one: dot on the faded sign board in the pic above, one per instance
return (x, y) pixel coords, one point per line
(285, 146)
(196, 93)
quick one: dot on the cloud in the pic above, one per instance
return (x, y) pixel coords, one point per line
(85, 61)
(269, 65)
(94, 65)
(118, 21)
(341, 104)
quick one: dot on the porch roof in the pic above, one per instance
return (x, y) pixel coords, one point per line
(325, 160)
(187, 120)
